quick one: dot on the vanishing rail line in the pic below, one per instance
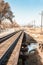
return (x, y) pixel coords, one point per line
(8, 49)
(8, 36)
(6, 44)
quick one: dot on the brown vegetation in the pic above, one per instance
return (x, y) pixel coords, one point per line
(34, 59)
(6, 13)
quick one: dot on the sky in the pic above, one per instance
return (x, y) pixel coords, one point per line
(26, 11)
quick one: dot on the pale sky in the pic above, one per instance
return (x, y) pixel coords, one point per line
(26, 11)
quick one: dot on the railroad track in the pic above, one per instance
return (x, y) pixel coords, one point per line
(7, 36)
(9, 50)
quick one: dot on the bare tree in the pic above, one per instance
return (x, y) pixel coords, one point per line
(5, 11)
(9, 15)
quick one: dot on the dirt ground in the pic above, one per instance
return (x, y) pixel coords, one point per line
(37, 34)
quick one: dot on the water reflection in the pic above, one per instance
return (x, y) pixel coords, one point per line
(32, 47)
